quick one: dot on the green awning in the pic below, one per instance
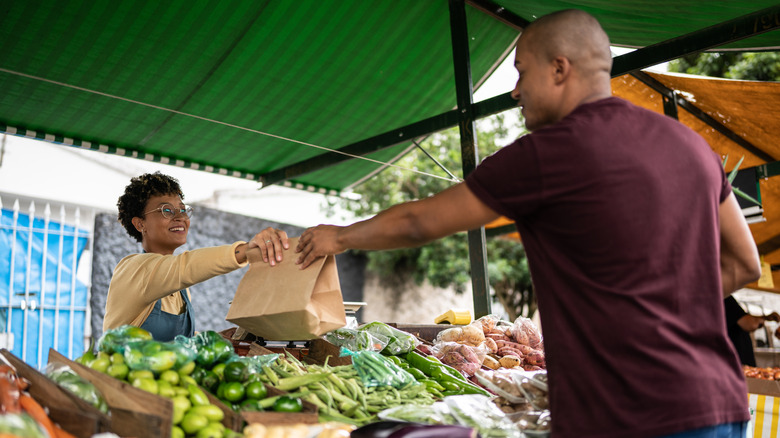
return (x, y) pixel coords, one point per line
(248, 88)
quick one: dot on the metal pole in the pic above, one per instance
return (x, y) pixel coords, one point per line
(468, 143)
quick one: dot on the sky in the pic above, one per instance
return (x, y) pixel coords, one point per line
(37, 169)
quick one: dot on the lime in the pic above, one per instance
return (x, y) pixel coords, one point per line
(255, 390)
(139, 374)
(288, 404)
(187, 368)
(100, 364)
(180, 406)
(213, 413)
(233, 392)
(236, 371)
(192, 423)
(117, 358)
(170, 376)
(148, 385)
(219, 370)
(118, 371)
(176, 432)
(212, 430)
(161, 361)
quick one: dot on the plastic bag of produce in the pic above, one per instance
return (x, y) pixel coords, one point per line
(156, 356)
(399, 341)
(525, 332)
(436, 413)
(357, 340)
(465, 358)
(209, 347)
(479, 412)
(471, 334)
(114, 340)
(68, 379)
(376, 370)
(21, 425)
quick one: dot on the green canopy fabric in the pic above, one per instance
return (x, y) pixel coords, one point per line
(245, 88)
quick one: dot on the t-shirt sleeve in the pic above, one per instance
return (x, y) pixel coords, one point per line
(509, 181)
(733, 311)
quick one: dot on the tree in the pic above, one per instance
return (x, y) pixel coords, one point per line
(755, 66)
(444, 262)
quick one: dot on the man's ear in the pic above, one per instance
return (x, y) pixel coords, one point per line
(138, 224)
(561, 69)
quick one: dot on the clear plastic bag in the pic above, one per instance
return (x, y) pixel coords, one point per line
(525, 332)
(157, 356)
(210, 347)
(357, 340)
(479, 412)
(502, 383)
(398, 341)
(376, 370)
(534, 389)
(115, 340)
(465, 358)
(68, 379)
(471, 334)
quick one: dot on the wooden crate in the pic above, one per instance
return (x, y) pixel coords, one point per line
(134, 412)
(65, 408)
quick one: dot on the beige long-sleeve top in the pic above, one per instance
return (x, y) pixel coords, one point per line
(139, 280)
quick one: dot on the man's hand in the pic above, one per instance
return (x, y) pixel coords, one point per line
(774, 316)
(750, 323)
(317, 242)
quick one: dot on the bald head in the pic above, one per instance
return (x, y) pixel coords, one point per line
(573, 34)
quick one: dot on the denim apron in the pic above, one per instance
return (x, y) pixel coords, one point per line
(165, 326)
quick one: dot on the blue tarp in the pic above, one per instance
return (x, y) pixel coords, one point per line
(61, 329)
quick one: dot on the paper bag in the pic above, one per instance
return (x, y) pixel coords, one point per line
(286, 303)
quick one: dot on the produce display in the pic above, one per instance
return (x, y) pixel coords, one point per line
(764, 373)
(485, 378)
(22, 415)
(493, 343)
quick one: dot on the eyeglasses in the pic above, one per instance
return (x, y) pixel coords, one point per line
(169, 211)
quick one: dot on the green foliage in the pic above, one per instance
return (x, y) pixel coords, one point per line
(444, 262)
(755, 66)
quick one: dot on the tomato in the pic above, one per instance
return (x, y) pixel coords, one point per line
(233, 392)
(256, 390)
(288, 404)
(236, 371)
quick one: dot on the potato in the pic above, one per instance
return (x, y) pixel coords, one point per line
(491, 363)
(510, 361)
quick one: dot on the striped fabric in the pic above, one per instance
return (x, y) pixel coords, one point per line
(765, 416)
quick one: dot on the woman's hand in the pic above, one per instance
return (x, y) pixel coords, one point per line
(272, 243)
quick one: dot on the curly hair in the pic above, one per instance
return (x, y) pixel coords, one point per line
(137, 194)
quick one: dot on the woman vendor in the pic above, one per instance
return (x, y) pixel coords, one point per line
(150, 290)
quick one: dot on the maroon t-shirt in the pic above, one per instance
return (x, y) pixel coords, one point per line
(617, 207)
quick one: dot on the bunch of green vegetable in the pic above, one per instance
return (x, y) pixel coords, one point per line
(338, 391)
(450, 381)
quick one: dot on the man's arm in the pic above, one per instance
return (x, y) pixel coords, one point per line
(739, 261)
(404, 225)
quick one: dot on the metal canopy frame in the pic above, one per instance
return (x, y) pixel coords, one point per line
(467, 111)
